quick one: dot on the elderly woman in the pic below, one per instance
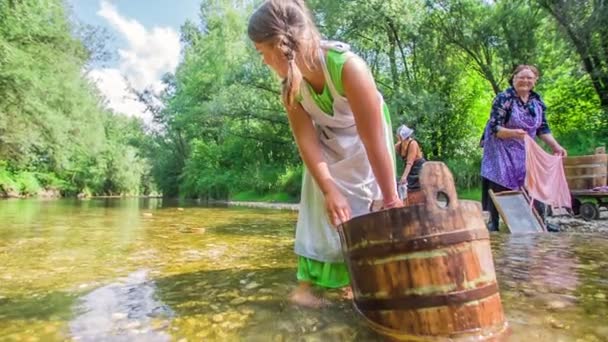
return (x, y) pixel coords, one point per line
(410, 152)
(516, 112)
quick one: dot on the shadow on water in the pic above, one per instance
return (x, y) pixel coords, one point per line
(49, 306)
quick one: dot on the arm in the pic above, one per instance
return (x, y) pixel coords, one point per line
(553, 144)
(360, 90)
(412, 152)
(305, 135)
(544, 133)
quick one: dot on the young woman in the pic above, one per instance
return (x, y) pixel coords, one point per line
(342, 128)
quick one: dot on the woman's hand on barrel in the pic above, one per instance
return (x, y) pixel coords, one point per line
(338, 209)
(395, 202)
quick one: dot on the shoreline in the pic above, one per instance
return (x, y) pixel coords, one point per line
(567, 224)
(260, 205)
(74, 197)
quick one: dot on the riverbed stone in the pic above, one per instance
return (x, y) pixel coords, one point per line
(238, 301)
(252, 285)
(556, 305)
(117, 316)
(602, 331)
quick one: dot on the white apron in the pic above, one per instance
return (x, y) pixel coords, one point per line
(347, 160)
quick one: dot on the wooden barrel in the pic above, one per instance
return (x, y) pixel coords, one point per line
(586, 172)
(425, 272)
(414, 197)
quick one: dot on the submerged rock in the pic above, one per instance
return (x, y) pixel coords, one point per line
(238, 301)
(252, 285)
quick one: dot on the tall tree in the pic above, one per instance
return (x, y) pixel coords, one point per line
(585, 23)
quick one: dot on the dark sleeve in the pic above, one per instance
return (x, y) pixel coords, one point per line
(498, 113)
(544, 126)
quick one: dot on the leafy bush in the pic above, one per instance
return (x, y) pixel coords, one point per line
(28, 183)
(7, 182)
(291, 180)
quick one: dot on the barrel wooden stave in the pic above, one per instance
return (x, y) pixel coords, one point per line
(587, 159)
(446, 321)
(449, 271)
(414, 197)
(586, 172)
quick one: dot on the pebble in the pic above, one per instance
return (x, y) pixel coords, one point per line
(556, 305)
(575, 224)
(557, 325)
(217, 318)
(252, 285)
(238, 301)
(133, 325)
(118, 316)
(247, 312)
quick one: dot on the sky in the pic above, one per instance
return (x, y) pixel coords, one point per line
(145, 43)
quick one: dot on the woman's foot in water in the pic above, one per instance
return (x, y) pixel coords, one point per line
(347, 293)
(303, 296)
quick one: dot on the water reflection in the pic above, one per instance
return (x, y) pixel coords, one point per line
(156, 270)
(554, 286)
(123, 311)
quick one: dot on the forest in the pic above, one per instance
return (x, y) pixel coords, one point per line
(219, 130)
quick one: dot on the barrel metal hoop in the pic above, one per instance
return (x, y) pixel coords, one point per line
(412, 302)
(423, 243)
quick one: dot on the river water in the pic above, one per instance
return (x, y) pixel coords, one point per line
(152, 270)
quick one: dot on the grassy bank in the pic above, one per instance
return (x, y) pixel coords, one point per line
(252, 196)
(470, 194)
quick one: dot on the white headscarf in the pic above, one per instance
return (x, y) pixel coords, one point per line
(404, 132)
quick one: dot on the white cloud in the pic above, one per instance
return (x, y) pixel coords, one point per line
(113, 85)
(149, 54)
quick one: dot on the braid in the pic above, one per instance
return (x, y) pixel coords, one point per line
(293, 80)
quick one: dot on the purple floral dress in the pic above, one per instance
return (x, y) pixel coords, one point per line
(504, 160)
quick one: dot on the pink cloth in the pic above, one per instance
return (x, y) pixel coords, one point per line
(545, 178)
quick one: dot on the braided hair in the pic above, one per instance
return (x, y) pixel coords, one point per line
(289, 25)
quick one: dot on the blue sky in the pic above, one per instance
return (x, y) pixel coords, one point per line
(149, 13)
(145, 42)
